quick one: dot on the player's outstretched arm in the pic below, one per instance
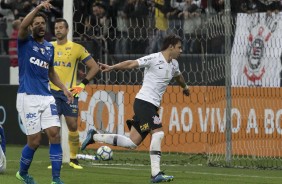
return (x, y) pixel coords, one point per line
(180, 80)
(54, 78)
(23, 30)
(129, 64)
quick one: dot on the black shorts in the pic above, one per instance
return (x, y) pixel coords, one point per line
(146, 117)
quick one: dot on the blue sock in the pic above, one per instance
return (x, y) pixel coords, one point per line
(56, 155)
(26, 159)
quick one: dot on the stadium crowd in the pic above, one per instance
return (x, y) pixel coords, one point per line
(129, 25)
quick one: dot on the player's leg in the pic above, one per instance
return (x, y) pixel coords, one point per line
(28, 107)
(70, 111)
(147, 116)
(51, 124)
(2, 150)
(155, 157)
(2, 161)
(113, 139)
(3, 139)
(73, 141)
(131, 142)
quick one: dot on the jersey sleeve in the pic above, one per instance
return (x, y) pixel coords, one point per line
(176, 69)
(85, 56)
(51, 64)
(146, 61)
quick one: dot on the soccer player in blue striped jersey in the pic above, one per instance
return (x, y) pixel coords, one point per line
(67, 56)
(35, 103)
(2, 150)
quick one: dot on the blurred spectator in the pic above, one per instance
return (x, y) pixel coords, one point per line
(100, 26)
(175, 22)
(249, 6)
(136, 13)
(269, 6)
(20, 8)
(192, 21)
(13, 53)
(3, 36)
(218, 6)
(161, 12)
(121, 45)
(8, 18)
(13, 50)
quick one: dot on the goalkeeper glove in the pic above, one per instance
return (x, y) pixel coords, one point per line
(76, 90)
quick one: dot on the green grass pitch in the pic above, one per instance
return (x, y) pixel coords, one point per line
(117, 172)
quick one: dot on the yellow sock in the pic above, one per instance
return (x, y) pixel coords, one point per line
(73, 143)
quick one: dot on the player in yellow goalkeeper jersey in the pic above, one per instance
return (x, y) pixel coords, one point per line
(67, 55)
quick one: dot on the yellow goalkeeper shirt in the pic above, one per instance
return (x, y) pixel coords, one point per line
(66, 60)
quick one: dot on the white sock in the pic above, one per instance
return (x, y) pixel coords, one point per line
(115, 140)
(155, 152)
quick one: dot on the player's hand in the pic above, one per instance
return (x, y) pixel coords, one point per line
(76, 90)
(104, 67)
(68, 95)
(45, 4)
(186, 92)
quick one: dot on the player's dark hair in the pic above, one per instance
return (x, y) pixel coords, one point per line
(62, 20)
(41, 14)
(170, 40)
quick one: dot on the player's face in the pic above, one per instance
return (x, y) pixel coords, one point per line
(176, 50)
(61, 31)
(38, 27)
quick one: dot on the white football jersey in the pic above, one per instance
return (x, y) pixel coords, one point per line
(157, 75)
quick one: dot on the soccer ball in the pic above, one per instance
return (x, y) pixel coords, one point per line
(105, 153)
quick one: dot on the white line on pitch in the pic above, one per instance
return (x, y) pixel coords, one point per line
(191, 172)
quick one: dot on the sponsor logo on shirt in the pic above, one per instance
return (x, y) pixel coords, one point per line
(30, 115)
(39, 62)
(62, 63)
(35, 48)
(42, 51)
(60, 53)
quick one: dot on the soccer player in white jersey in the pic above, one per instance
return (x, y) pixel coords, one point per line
(2, 150)
(160, 68)
(35, 103)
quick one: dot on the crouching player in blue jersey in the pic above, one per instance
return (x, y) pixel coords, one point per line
(35, 103)
(2, 150)
(67, 56)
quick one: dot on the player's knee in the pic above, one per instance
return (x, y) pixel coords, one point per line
(158, 135)
(54, 138)
(132, 145)
(34, 142)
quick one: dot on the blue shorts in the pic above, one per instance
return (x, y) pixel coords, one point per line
(63, 107)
